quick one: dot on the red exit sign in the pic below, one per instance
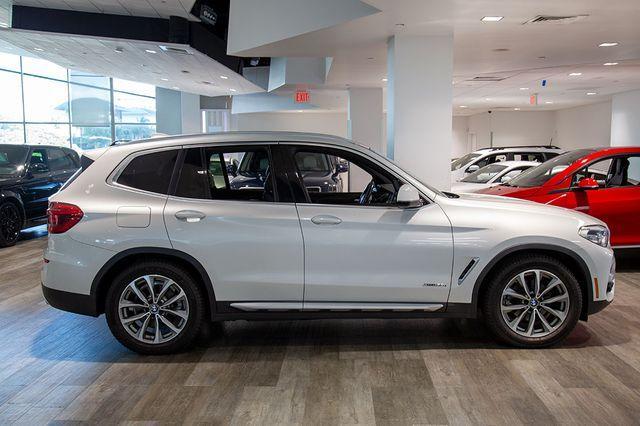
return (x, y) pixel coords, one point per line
(302, 96)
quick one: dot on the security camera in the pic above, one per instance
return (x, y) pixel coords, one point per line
(489, 111)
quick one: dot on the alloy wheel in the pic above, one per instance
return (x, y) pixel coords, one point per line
(534, 303)
(9, 222)
(153, 309)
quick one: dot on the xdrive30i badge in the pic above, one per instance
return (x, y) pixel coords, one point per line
(434, 285)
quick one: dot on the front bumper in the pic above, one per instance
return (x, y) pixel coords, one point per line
(71, 302)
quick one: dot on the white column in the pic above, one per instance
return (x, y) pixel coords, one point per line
(419, 105)
(177, 112)
(365, 127)
(625, 119)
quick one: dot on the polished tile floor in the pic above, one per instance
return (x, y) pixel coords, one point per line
(61, 368)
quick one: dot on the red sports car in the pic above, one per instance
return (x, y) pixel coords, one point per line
(604, 183)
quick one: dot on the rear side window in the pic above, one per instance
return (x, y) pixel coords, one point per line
(150, 172)
(227, 174)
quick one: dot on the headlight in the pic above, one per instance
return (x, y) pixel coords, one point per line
(596, 234)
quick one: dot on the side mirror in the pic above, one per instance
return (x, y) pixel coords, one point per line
(586, 184)
(342, 167)
(506, 179)
(409, 197)
(473, 168)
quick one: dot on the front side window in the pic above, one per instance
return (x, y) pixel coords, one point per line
(150, 172)
(598, 171)
(226, 174)
(343, 178)
(612, 172)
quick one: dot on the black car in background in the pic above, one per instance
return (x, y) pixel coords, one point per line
(29, 175)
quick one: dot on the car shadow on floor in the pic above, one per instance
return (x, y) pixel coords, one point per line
(628, 260)
(89, 340)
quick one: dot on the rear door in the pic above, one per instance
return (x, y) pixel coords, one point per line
(229, 213)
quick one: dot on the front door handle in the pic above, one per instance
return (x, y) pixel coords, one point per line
(190, 216)
(326, 219)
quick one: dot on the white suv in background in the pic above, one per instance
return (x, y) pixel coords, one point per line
(163, 235)
(476, 160)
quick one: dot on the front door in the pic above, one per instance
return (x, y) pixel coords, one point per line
(617, 201)
(360, 246)
(38, 186)
(228, 214)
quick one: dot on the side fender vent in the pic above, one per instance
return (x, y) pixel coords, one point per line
(468, 269)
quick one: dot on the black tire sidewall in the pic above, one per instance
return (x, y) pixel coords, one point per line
(492, 302)
(194, 296)
(3, 241)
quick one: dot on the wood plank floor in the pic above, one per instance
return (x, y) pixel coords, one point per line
(61, 368)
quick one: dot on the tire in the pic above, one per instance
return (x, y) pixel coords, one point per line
(555, 309)
(10, 224)
(169, 329)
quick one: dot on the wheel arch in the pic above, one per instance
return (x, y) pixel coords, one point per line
(109, 270)
(571, 259)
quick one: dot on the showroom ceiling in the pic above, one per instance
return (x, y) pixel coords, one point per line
(146, 8)
(523, 53)
(148, 62)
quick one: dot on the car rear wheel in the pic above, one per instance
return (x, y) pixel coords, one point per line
(155, 308)
(533, 301)
(10, 224)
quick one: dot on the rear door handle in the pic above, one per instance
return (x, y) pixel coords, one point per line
(190, 216)
(326, 219)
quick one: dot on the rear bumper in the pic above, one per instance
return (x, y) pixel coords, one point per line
(71, 302)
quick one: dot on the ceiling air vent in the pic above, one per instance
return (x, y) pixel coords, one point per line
(178, 50)
(549, 19)
(486, 78)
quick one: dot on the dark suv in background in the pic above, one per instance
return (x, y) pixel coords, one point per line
(29, 175)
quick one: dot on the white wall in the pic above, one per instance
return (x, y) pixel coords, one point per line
(460, 145)
(316, 122)
(625, 119)
(513, 128)
(584, 127)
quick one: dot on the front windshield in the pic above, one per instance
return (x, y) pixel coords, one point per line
(463, 161)
(538, 176)
(12, 159)
(485, 174)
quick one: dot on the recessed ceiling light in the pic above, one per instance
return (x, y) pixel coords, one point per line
(224, 77)
(299, 110)
(385, 79)
(516, 109)
(608, 44)
(591, 93)
(575, 74)
(609, 64)
(232, 90)
(548, 102)
(164, 79)
(150, 51)
(487, 99)
(37, 49)
(463, 106)
(175, 88)
(524, 88)
(492, 18)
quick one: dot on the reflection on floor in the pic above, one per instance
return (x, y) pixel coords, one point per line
(59, 367)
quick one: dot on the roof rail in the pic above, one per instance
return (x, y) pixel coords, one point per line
(520, 146)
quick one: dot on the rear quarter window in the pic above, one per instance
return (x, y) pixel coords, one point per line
(150, 172)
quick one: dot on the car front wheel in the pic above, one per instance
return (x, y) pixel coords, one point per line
(155, 308)
(532, 301)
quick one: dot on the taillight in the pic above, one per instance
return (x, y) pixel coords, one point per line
(62, 216)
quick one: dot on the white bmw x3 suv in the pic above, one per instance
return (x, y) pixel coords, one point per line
(163, 235)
